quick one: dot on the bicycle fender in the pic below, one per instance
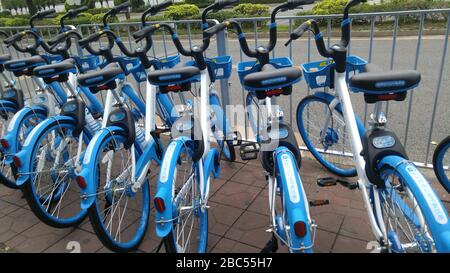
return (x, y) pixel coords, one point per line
(328, 97)
(294, 195)
(14, 126)
(164, 186)
(88, 166)
(27, 149)
(432, 208)
(211, 164)
(8, 106)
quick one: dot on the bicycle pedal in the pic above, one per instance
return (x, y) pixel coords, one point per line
(349, 185)
(327, 182)
(249, 151)
(319, 202)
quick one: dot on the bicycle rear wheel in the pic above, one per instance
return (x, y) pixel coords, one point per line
(119, 215)
(190, 224)
(441, 162)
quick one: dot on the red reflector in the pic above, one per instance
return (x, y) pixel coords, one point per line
(81, 182)
(159, 204)
(274, 92)
(300, 228)
(173, 88)
(4, 143)
(387, 97)
(17, 161)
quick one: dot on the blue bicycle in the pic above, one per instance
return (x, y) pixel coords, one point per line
(52, 152)
(48, 98)
(190, 163)
(276, 145)
(441, 161)
(114, 176)
(404, 211)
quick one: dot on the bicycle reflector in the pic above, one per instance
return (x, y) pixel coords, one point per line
(300, 229)
(159, 204)
(4, 143)
(17, 161)
(81, 182)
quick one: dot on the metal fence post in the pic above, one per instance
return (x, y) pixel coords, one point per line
(221, 51)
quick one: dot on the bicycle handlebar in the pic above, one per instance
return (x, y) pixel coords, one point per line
(154, 10)
(71, 14)
(311, 25)
(41, 15)
(115, 10)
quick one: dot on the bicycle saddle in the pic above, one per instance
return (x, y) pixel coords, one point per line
(378, 82)
(272, 78)
(51, 70)
(176, 75)
(23, 64)
(102, 77)
(4, 58)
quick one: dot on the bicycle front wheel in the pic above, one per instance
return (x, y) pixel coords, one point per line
(51, 191)
(190, 223)
(119, 214)
(331, 146)
(405, 224)
(441, 161)
(7, 171)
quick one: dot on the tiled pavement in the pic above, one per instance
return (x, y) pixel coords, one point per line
(238, 217)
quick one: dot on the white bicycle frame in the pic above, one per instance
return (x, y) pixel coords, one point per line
(364, 184)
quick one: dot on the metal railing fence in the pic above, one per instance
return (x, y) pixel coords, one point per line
(394, 40)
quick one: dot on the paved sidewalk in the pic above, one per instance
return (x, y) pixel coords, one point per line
(238, 217)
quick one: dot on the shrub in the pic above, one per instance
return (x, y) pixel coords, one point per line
(200, 3)
(253, 10)
(3, 21)
(137, 5)
(182, 11)
(98, 10)
(98, 19)
(81, 19)
(12, 22)
(4, 13)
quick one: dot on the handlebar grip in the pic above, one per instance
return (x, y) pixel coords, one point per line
(298, 32)
(209, 32)
(16, 37)
(86, 41)
(45, 13)
(120, 7)
(221, 4)
(57, 39)
(141, 34)
(75, 12)
(163, 5)
(293, 4)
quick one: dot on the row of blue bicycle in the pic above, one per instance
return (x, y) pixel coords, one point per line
(74, 156)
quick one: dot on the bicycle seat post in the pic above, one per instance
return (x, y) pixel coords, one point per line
(377, 118)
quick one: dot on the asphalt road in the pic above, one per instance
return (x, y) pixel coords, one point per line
(423, 100)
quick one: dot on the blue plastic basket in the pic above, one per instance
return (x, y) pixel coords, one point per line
(134, 67)
(52, 58)
(355, 65)
(221, 67)
(248, 67)
(167, 62)
(317, 74)
(87, 62)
